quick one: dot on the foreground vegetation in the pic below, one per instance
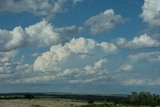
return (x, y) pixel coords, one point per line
(143, 98)
(100, 105)
(133, 100)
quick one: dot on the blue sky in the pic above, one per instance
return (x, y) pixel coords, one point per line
(82, 46)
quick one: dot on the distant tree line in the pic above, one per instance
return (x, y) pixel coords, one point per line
(141, 98)
(29, 96)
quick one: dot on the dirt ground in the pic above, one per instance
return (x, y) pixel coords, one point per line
(41, 103)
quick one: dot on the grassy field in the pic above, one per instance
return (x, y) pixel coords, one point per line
(41, 103)
(57, 103)
(141, 99)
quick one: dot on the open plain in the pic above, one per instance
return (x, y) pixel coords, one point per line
(41, 103)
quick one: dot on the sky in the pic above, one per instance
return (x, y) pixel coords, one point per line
(80, 46)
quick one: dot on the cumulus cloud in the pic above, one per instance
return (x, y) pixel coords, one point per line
(47, 8)
(100, 64)
(24, 68)
(151, 13)
(149, 56)
(11, 39)
(78, 61)
(69, 32)
(81, 60)
(89, 73)
(142, 41)
(76, 51)
(126, 67)
(127, 77)
(121, 41)
(41, 34)
(104, 21)
(7, 62)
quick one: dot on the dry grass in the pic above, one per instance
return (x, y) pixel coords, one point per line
(41, 103)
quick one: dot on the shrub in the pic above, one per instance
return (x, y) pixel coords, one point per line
(90, 101)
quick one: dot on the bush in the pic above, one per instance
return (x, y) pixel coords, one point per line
(144, 98)
(90, 101)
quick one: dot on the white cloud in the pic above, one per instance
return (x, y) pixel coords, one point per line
(74, 75)
(47, 8)
(12, 39)
(34, 55)
(134, 82)
(151, 13)
(68, 63)
(7, 62)
(81, 50)
(150, 56)
(81, 45)
(141, 82)
(42, 34)
(108, 47)
(65, 65)
(142, 41)
(69, 31)
(81, 59)
(121, 41)
(126, 67)
(104, 21)
(100, 64)
(24, 68)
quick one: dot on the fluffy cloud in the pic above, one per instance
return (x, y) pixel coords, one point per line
(37, 7)
(24, 68)
(126, 67)
(150, 56)
(41, 34)
(81, 50)
(142, 41)
(69, 31)
(11, 39)
(151, 13)
(81, 60)
(134, 79)
(121, 41)
(87, 74)
(97, 66)
(104, 21)
(7, 62)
